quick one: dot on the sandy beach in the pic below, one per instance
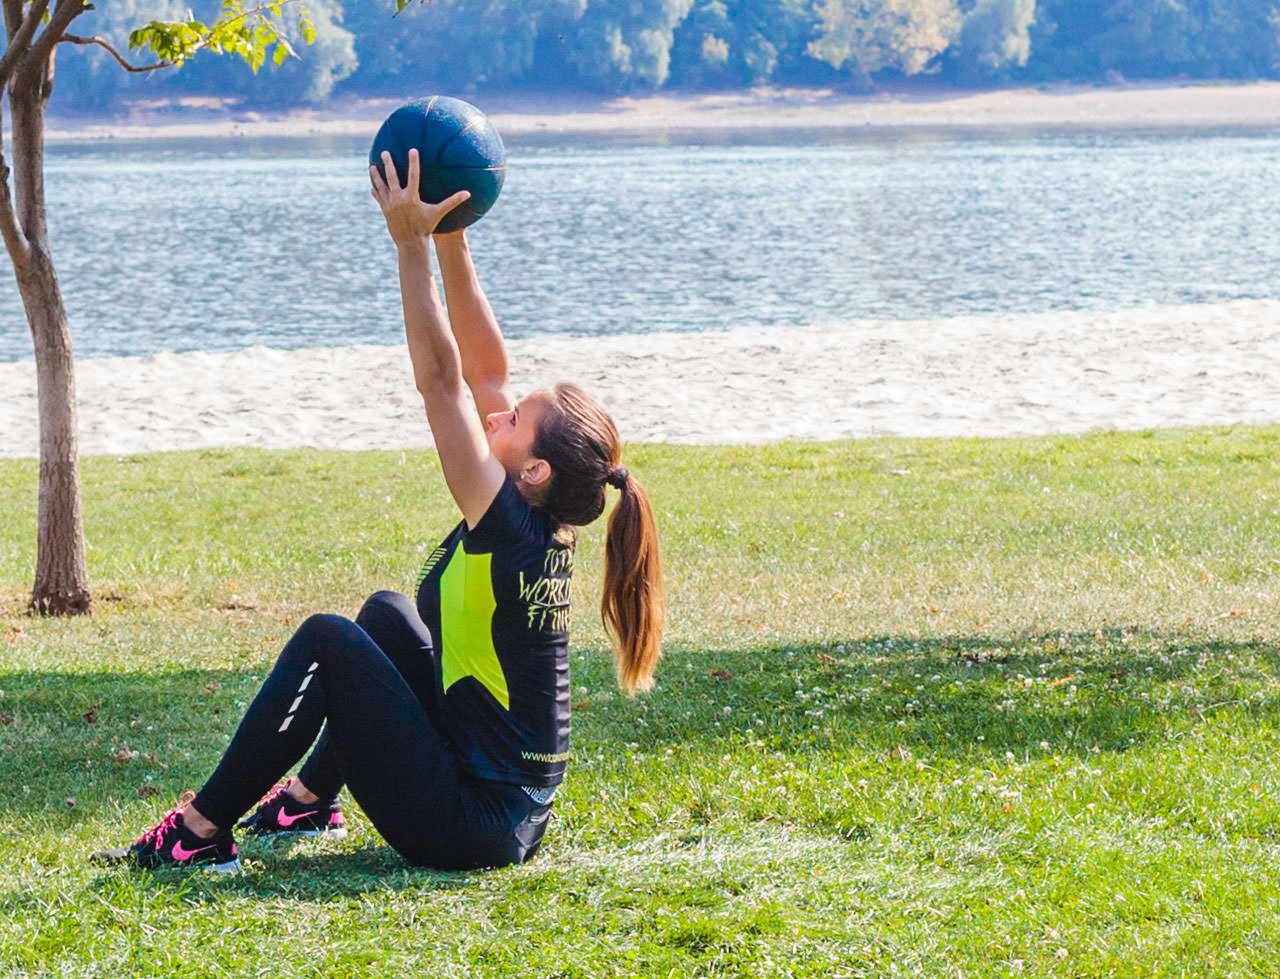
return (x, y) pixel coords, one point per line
(1134, 106)
(1068, 371)
(969, 376)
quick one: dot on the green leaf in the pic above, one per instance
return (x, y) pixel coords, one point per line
(252, 34)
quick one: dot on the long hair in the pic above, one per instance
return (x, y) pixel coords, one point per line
(580, 443)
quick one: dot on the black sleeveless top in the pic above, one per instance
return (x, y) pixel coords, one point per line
(496, 601)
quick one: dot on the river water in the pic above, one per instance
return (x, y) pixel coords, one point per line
(219, 245)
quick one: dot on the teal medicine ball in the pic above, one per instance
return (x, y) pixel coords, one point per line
(458, 149)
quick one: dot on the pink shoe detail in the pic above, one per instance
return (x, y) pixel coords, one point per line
(182, 854)
(285, 820)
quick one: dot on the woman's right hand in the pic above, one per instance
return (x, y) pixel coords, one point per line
(408, 217)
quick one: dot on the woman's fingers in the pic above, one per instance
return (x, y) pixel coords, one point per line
(449, 203)
(378, 177)
(386, 179)
(417, 216)
(415, 172)
(392, 176)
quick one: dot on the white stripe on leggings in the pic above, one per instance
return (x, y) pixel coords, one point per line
(306, 680)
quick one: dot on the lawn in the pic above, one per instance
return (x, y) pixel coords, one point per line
(940, 708)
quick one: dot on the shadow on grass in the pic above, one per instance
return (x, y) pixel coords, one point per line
(957, 696)
(107, 747)
(305, 875)
(66, 734)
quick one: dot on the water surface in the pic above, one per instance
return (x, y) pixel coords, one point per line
(218, 245)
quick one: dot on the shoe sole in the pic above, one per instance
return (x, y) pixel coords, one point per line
(310, 834)
(315, 834)
(109, 858)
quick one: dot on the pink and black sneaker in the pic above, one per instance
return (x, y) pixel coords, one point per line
(280, 814)
(170, 844)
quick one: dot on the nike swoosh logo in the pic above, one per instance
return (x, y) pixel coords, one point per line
(287, 821)
(182, 854)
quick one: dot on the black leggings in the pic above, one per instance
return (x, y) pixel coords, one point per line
(372, 684)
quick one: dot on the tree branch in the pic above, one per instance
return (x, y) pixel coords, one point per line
(19, 37)
(63, 14)
(14, 241)
(120, 59)
(12, 17)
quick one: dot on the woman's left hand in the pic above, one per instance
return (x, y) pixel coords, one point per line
(408, 217)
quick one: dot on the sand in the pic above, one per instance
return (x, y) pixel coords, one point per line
(970, 376)
(1058, 372)
(1198, 105)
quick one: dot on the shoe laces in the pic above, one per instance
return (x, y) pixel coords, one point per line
(155, 835)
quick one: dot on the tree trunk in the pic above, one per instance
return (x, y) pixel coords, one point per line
(62, 575)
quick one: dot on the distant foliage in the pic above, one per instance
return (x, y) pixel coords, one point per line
(995, 39)
(724, 44)
(863, 37)
(403, 47)
(1090, 39)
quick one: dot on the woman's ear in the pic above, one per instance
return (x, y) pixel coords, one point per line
(536, 473)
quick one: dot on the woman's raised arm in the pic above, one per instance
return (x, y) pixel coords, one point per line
(484, 354)
(472, 473)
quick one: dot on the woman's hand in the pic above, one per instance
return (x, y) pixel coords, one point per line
(408, 217)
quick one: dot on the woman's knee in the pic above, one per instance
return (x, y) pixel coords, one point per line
(323, 625)
(392, 621)
(382, 603)
(326, 634)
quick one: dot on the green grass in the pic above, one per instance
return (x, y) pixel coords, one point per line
(939, 708)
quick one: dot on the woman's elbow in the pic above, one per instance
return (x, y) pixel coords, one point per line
(480, 378)
(433, 383)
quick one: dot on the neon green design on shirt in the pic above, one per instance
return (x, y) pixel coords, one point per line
(466, 619)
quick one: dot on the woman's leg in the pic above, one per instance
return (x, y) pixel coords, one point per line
(331, 669)
(389, 752)
(391, 620)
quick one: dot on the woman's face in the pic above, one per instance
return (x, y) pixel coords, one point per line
(511, 434)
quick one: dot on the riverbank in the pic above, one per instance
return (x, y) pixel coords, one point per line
(1064, 372)
(1057, 372)
(1200, 105)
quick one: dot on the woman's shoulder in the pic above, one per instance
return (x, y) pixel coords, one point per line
(511, 519)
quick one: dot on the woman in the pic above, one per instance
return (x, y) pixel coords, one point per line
(448, 722)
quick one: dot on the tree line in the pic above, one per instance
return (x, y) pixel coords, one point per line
(363, 47)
